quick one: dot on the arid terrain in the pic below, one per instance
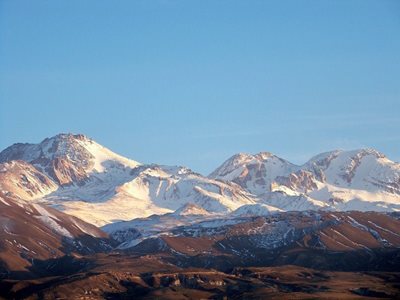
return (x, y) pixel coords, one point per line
(117, 276)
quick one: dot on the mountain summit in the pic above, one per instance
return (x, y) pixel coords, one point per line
(67, 158)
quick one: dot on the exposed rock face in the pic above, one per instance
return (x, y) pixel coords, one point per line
(65, 173)
(300, 181)
(255, 173)
(128, 234)
(64, 157)
(23, 180)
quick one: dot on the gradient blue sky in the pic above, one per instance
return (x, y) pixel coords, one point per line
(193, 82)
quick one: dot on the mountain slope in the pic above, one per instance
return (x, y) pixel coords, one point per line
(31, 233)
(324, 240)
(147, 190)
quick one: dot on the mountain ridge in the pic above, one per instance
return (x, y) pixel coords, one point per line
(81, 177)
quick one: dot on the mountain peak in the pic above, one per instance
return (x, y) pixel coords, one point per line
(68, 137)
(324, 159)
(66, 157)
(242, 156)
(262, 167)
(264, 155)
(191, 209)
(366, 151)
(371, 151)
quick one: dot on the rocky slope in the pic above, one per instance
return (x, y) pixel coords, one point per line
(32, 236)
(337, 240)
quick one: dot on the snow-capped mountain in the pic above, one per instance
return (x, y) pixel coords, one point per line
(69, 159)
(364, 169)
(339, 180)
(255, 173)
(87, 180)
(75, 174)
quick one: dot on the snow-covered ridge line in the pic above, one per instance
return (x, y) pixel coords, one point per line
(81, 177)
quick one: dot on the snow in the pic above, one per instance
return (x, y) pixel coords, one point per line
(147, 190)
(219, 222)
(347, 239)
(44, 212)
(191, 209)
(84, 229)
(104, 158)
(4, 202)
(384, 229)
(258, 209)
(50, 220)
(357, 224)
(362, 169)
(293, 203)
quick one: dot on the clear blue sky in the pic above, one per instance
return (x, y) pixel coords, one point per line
(193, 82)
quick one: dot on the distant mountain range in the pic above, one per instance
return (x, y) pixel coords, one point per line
(79, 221)
(75, 174)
